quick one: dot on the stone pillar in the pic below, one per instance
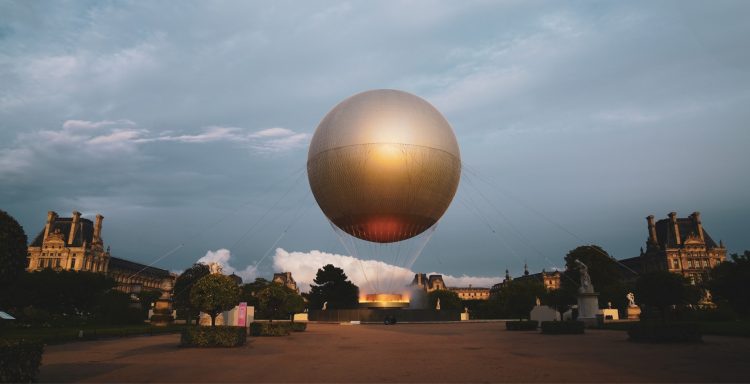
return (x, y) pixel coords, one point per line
(73, 226)
(51, 217)
(697, 220)
(673, 220)
(98, 229)
(651, 230)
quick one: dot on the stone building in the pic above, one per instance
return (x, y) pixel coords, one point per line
(551, 280)
(286, 279)
(679, 245)
(471, 293)
(433, 283)
(75, 243)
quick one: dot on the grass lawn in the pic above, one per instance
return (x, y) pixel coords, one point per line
(720, 328)
(55, 335)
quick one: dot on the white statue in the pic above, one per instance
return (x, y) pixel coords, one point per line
(538, 302)
(585, 278)
(631, 300)
(215, 268)
(325, 305)
(438, 304)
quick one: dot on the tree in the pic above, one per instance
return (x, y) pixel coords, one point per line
(250, 291)
(606, 275)
(13, 250)
(520, 296)
(334, 288)
(559, 299)
(276, 301)
(449, 300)
(662, 289)
(214, 294)
(66, 295)
(183, 286)
(730, 281)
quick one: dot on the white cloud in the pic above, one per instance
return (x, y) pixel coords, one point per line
(367, 274)
(85, 124)
(222, 257)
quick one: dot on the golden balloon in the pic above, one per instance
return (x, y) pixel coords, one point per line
(384, 165)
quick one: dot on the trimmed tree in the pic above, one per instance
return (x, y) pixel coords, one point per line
(449, 300)
(521, 296)
(334, 288)
(662, 289)
(12, 251)
(182, 287)
(605, 273)
(559, 299)
(730, 281)
(214, 294)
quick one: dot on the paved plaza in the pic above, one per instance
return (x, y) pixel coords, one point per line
(448, 352)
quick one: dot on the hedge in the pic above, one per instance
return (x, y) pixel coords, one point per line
(655, 332)
(20, 360)
(562, 327)
(528, 325)
(299, 327)
(270, 329)
(219, 336)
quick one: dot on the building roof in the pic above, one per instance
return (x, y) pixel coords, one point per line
(666, 237)
(84, 232)
(141, 269)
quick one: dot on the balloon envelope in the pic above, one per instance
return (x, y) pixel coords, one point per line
(384, 165)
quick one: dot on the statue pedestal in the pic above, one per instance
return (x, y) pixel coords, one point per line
(588, 306)
(162, 313)
(634, 313)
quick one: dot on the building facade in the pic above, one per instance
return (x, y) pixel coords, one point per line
(75, 244)
(471, 293)
(433, 283)
(285, 279)
(678, 245)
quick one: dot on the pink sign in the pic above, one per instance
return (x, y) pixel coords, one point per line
(242, 314)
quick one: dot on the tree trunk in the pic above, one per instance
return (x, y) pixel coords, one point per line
(213, 319)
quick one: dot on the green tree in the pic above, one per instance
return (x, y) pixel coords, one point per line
(334, 288)
(606, 275)
(13, 251)
(250, 291)
(449, 300)
(182, 287)
(214, 294)
(662, 289)
(276, 301)
(520, 296)
(559, 299)
(66, 295)
(730, 281)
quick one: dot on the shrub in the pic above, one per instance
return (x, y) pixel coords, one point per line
(562, 327)
(19, 361)
(657, 332)
(219, 336)
(299, 327)
(529, 325)
(270, 329)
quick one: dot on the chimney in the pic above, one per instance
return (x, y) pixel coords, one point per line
(51, 217)
(73, 226)
(673, 219)
(651, 230)
(98, 228)
(697, 220)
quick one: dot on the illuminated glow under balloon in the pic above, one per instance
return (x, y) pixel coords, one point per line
(384, 165)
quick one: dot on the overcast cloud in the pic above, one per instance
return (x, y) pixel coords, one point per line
(186, 124)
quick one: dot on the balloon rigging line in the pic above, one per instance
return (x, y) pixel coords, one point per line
(196, 234)
(513, 228)
(252, 227)
(295, 219)
(559, 226)
(492, 229)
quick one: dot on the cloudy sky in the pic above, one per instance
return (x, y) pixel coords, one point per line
(186, 124)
